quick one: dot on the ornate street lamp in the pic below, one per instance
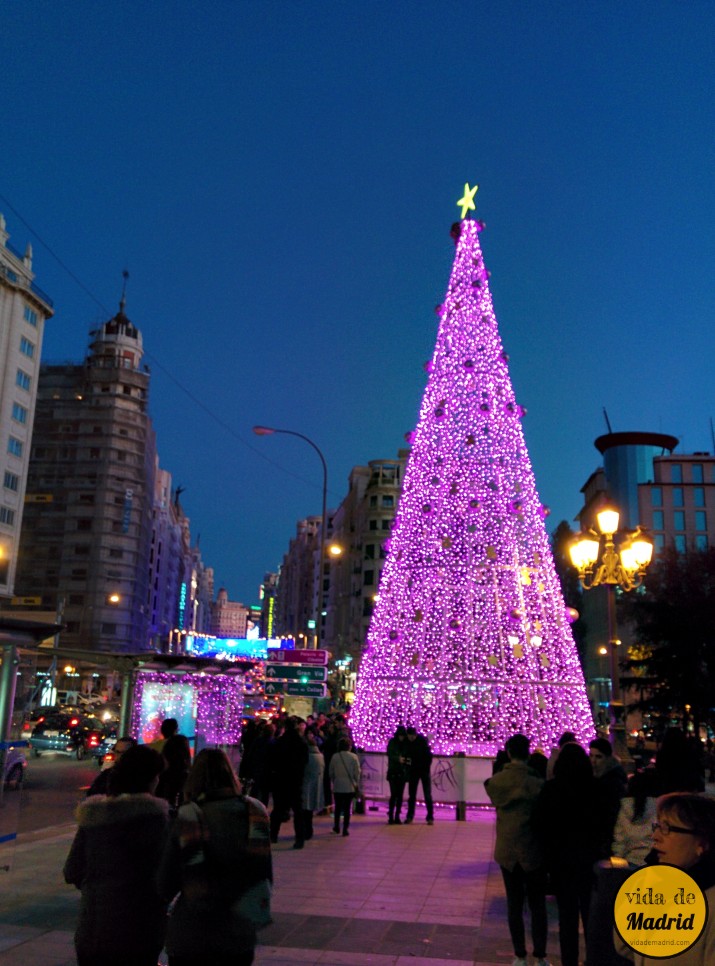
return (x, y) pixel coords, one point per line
(599, 561)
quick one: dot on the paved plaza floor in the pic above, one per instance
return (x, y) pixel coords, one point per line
(386, 895)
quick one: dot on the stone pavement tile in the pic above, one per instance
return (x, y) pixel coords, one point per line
(314, 932)
(49, 949)
(13, 934)
(275, 956)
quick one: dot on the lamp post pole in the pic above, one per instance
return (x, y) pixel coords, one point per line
(270, 431)
(598, 562)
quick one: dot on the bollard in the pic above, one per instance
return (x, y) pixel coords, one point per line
(461, 810)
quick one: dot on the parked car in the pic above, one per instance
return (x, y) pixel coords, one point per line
(68, 734)
(15, 765)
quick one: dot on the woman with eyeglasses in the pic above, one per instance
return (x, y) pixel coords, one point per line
(684, 836)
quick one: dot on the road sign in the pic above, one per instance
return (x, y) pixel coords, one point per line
(313, 690)
(301, 656)
(295, 672)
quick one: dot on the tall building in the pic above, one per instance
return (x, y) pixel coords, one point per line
(87, 533)
(670, 494)
(361, 527)
(228, 617)
(24, 309)
(295, 589)
(165, 562)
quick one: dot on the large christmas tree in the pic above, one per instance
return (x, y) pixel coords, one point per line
(469, 640)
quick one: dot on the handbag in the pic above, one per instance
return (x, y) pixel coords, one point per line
(255, 904)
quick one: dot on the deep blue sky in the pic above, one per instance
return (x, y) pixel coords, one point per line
(280, 180)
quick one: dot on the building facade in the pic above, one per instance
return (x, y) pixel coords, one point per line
(672, 495)
(361, 527)
(86, 539)
(24, 309)
(229, 618)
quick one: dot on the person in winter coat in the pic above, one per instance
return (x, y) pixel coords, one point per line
(610, 787)
(514, 791)
(565, 820)
(420, 758)
(289, 757)
(313, 794)
(345, 779)
(397, 773)
(177, 758)
(677, 765)
(684, 836)
(632, 834)
(219, 847)
(113, 861)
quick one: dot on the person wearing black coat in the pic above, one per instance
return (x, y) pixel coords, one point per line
(566, 821)
(419, 756)
(289, 757)
(113, 861)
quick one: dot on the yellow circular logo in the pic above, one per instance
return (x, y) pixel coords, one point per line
(660, 911)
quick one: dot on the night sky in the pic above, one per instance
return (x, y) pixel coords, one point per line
(280, 180)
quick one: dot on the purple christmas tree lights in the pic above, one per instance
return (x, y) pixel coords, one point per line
(469, 640)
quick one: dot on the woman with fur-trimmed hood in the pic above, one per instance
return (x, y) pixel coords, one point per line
(113, 861)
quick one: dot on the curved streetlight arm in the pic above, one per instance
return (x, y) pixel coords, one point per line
(269, 431)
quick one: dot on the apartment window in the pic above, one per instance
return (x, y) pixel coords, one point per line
(656, 496)
(84, 523)
(701, 520)
(388, 501)
(23, 380)
(679, 520)
(370, 551)
(678, 496)
(368, 578)
(12, 481)
(30, 316)
(697, 471)
(116, 553)
(81, 550)
(19, 413)
(7, 515)
(373, 502)
(372, 525)
(27, 348)
(701, 541)
(14, 446)
(676, 473)
(109, 628)
(680, 542)
(76, 600)
(87, 498)
(386, 524)
(698, 496)
(659, 541)
(79, 574)
(658, 522)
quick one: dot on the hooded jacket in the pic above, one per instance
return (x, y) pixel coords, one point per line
(113, 861)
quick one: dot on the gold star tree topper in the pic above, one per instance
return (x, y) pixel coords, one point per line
(467, 199)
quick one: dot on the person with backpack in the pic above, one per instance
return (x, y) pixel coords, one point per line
(216, 869)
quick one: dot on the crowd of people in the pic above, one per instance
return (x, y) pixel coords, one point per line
(558, 816)
(174, 853)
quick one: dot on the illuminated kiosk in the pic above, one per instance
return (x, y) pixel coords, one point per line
(204, 695)
(469, 640)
